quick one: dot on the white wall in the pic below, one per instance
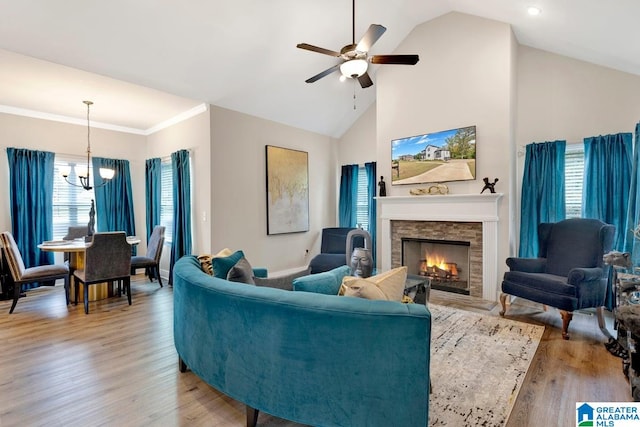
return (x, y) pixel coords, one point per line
(464, 77)
(238, 189)
(63, 138)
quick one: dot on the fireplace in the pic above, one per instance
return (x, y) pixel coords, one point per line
(460, 242)
(472, 218)
(444, 262)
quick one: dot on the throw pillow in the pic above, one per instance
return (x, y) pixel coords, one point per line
(241, 272)
(222, 265)
(327, 282)
(386, 286)
(206, 261)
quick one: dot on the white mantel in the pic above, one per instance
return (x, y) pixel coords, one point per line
(451, 207)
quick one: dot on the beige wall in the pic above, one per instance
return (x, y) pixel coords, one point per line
(238, 195)
(63, 138)
(465, 77)
(357, 146)
(563, 98)
(193, 135)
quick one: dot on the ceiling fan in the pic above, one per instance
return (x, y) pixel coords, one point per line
(355, 57)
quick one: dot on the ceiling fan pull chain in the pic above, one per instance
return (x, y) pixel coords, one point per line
(354, 95)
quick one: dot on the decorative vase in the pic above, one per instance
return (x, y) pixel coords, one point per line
(361, 262)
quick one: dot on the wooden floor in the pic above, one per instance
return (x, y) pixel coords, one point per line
(117, 366)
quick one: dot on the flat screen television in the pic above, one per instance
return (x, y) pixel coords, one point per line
(445, 156)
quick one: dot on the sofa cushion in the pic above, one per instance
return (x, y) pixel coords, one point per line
(281, 282)
(222, 265)
(241, 272)
(206, 261)
(385, 286)
(327, 282)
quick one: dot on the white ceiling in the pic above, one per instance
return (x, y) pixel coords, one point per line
(144, 62)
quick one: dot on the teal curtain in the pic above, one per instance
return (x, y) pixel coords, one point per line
(543, 193)
(31, 203)
(181, 244)
(348, 196)
(631, 243)
(153, 186)
(114, 200)
(607, 181)
(372, 185)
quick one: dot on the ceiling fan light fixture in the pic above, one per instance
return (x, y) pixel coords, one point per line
(354, 68)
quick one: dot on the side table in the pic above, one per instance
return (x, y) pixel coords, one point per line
(417, 288)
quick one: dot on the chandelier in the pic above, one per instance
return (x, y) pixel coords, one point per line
(85, 174)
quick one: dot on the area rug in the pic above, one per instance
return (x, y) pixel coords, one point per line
(478, 364)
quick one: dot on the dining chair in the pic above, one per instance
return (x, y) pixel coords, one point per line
(22, 276)
(151, 261)
(106, 259)
(74, 232)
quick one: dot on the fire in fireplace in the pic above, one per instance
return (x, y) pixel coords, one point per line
(444, 262)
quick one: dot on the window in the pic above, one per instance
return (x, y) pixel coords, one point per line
(71, 204)
(362, 203)
(573, 177)
(166, 200)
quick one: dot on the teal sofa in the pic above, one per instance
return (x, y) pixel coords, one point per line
(317, 359)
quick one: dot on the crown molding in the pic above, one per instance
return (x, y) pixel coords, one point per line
(100, 125)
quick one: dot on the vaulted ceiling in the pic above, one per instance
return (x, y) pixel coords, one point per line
(144, 62)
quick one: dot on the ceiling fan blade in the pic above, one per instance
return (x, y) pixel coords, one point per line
(324, 73)
(372, 35)
(395, 59)
(313, 48)
(365, 80)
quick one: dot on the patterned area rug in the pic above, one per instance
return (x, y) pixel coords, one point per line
(478, 364)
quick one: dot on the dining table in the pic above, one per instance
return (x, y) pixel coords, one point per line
(76, 249)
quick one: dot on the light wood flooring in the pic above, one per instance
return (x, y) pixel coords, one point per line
(117, 366)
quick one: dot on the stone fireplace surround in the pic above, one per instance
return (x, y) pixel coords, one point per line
(450, 208)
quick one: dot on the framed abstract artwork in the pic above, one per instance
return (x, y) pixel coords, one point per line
(287, 190)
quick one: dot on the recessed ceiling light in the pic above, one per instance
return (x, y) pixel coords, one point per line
(534, 11)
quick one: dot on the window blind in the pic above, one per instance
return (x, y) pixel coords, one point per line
(362, 203)
(574, 175)
(71, 204)
(166, 200)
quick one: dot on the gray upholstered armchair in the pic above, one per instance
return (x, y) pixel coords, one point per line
(569, 273)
